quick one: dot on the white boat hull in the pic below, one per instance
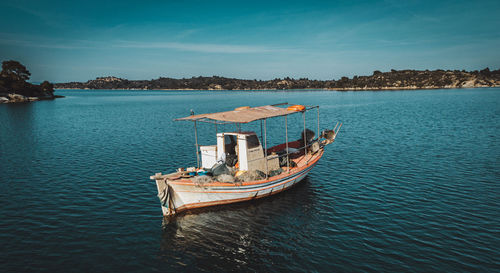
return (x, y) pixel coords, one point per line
(178, 196)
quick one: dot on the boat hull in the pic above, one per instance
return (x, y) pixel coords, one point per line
(177, 196)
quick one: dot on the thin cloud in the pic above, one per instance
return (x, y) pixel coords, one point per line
(193, 47)
(40, 44)
(204, 48)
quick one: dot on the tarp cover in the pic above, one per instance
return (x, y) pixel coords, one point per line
(244, 115)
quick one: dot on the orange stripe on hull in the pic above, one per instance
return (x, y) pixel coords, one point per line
(229, 201)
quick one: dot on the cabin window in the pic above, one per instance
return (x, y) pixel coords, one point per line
(230, 144)
(252, 141)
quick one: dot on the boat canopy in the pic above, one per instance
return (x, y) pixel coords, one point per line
(245, 114)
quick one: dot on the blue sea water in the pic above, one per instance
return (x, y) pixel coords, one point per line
(411, 184)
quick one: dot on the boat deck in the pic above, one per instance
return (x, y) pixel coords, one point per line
(302, 162)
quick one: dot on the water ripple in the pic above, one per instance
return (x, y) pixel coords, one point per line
(411, 184)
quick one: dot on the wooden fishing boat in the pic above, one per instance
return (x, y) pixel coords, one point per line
(238, 168)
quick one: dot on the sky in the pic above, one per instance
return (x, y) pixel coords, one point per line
(63, 41)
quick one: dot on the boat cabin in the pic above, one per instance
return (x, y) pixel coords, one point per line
(240, 150)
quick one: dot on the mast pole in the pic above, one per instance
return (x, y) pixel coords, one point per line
(265, 146)
(286, 141)
(196, 145)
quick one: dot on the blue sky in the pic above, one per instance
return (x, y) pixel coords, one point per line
(80, 40)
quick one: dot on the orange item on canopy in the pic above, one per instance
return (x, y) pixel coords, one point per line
(296, 108)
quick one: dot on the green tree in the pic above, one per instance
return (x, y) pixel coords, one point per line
(14, 70)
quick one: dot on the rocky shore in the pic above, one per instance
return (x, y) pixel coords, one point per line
(392, 80)
(13, 98)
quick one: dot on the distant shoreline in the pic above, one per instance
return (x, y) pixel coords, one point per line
(392, 80)
(296, 89)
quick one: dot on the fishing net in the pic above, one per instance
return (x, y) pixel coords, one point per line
(201, 180)
(251, 176)
(225, 178)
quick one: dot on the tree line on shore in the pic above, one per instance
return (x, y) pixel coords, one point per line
(394, 79)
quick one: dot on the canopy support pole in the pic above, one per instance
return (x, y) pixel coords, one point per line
(286, 141)
(261, 138)
(318, 124)
(196, 146)
(265, 146)
(305, 139)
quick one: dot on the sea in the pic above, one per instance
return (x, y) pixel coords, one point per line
(411, 184)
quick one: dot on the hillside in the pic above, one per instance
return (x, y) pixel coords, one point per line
(394, 79)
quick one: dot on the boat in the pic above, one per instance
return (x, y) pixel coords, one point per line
(240, 167)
